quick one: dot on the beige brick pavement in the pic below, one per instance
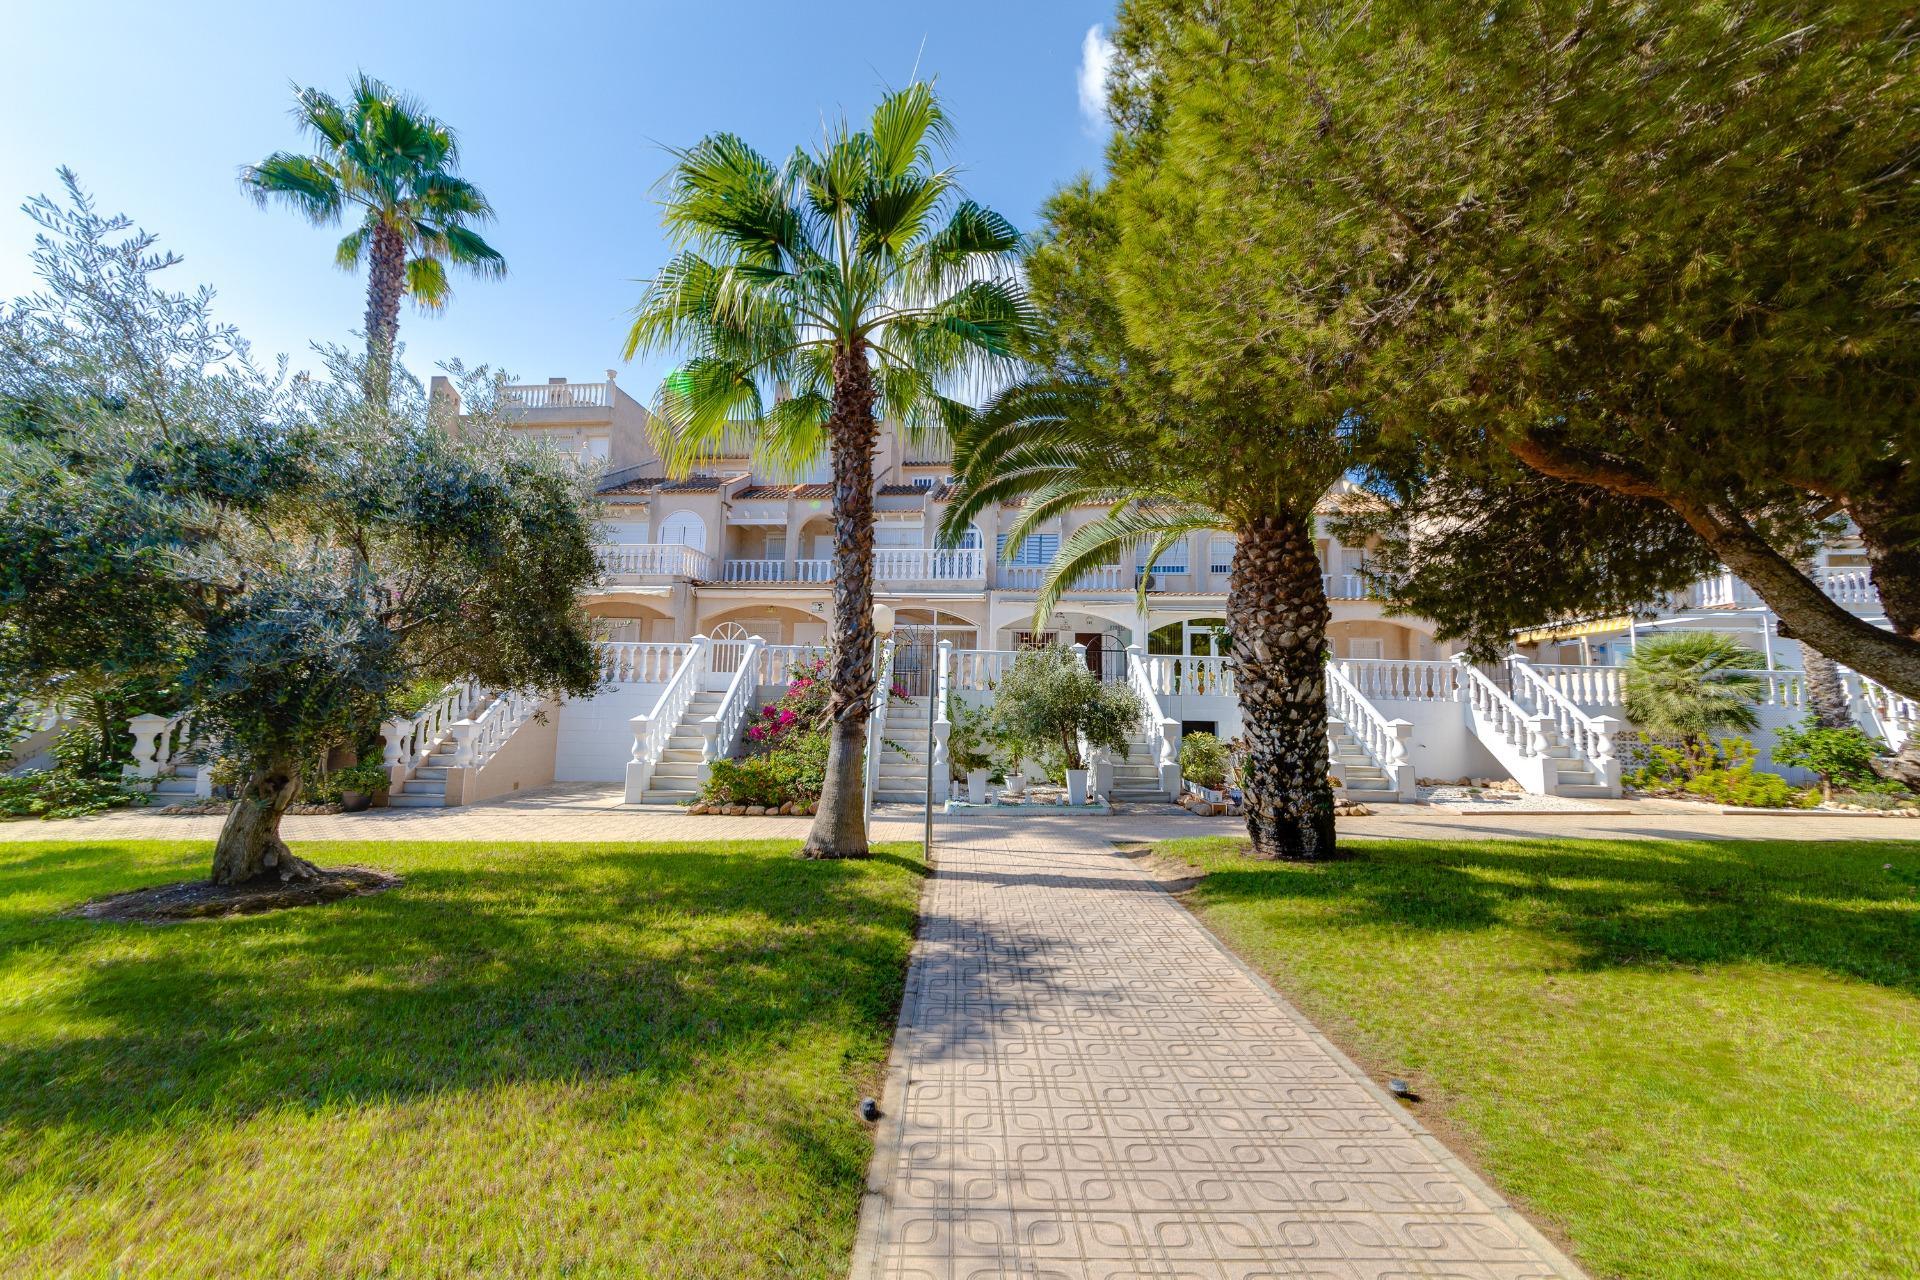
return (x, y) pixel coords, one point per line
(1085, 1084)
(596, 812)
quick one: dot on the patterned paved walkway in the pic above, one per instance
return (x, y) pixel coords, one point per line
(1085, 1084)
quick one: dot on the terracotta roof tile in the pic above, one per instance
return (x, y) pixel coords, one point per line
(764, 491)
(900, 490)
(813, 491)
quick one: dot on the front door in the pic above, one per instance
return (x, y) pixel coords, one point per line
(1091, 639)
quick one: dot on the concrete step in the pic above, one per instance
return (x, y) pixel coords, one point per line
(666, 797)
(403, 800)
(688, 769)
(430, 773)
(424, 787)
(682, 753)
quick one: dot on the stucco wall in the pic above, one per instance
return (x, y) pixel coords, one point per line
(596, 734)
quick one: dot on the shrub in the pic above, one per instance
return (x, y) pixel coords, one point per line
(368, 778)
(1839, 756)
(794, 773)
(1742, 786)
(1203, 760)
(1691, 685)
(59, 793)
(971, 734)
(1050, 700)
(1664, 767)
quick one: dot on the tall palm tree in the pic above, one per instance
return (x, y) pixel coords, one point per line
(1691, 685)
(381, 154)
(808, 299)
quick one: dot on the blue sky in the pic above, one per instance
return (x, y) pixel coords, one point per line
(562, 110)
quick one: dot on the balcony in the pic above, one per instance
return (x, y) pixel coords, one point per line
(630, 561)
(777, 571)
(560, 395)
(1028, 577)
(1851, 587)
(929, 566)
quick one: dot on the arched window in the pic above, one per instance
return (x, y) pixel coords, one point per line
(683, 529)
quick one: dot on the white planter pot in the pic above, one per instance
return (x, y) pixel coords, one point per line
(1076, 786)
(977, 786)
(1016, 783)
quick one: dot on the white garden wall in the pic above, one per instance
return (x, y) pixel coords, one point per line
(596, 734)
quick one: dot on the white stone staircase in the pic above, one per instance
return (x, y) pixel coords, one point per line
(426, 786)
(1136, 779)
(180, 784)
(1365, 780)
(903, 772)
(676, 778)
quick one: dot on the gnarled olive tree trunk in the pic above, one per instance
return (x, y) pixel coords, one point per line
(840, 827)
(1277, 616)
(250, 847)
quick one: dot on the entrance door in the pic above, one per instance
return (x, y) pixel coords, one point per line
(1095, 658)
(1366, 648)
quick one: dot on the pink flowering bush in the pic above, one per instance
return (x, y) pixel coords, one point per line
(786, 756)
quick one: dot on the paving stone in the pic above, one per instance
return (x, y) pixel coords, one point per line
(1086, 1085)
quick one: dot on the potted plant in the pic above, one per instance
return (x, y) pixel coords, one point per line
(1050, 700)
(967, 756)
(359, 784)
(1011, 749)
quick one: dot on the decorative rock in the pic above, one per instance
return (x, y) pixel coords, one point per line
(756, 810)
(735, 810)
(700, 808)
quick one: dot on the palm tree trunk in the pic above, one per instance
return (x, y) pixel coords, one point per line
(840, 828)
(250, 847)
(1277, 615)
(1826, 696)
(386, 282)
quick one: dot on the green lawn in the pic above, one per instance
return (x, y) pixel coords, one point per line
(1695, 1060)
(529, 1060)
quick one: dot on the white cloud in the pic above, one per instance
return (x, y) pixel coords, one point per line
(1096, 59)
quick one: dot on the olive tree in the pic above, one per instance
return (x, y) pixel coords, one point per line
(291, 556)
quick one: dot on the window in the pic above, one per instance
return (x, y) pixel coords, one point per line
(1366, 648)
(1172, 560)
(1220, 555)
(925, 482)
(1035, 549)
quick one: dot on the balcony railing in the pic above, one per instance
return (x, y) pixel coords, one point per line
(654, 560)
(928, 564)
(1725, 591)
(777, 571)
(560, 395)
(1028, 577)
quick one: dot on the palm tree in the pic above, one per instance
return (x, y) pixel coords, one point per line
(809, 298)
(1101, 424)
(1691, 685)
(382, 154)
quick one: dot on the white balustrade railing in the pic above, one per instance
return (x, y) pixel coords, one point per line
(654, 560)
(1403, 680)
(639, 661)
(1344, 586)
(877, 726)
(777, 571)
(977, 670)
(1586, 687)
(928, 564)
(410, 739)
(1163, 731)
(778, 662)
(1029, 577)
(1191, 675)
(1590, 737)
(652, 729)
(476, 741)
(1890, 716)
(158, 743)
(1381, 739)
(1725, 591)
(1504, 719)
(1781, 687)
(721, 730)
(559, 395)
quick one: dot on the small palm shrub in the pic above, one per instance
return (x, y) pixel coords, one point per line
(1692, 685)
(1203, 760)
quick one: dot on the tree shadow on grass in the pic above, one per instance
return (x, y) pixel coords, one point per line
(1851, 910)
(535, 965)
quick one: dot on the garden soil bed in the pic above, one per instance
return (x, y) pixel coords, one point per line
(202, 899)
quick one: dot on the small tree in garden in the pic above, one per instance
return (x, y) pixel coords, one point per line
(1692, 685)
(1840, 756)
(290, 554)
(1050, 700)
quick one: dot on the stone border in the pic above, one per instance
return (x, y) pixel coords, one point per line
(1497, 1203)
